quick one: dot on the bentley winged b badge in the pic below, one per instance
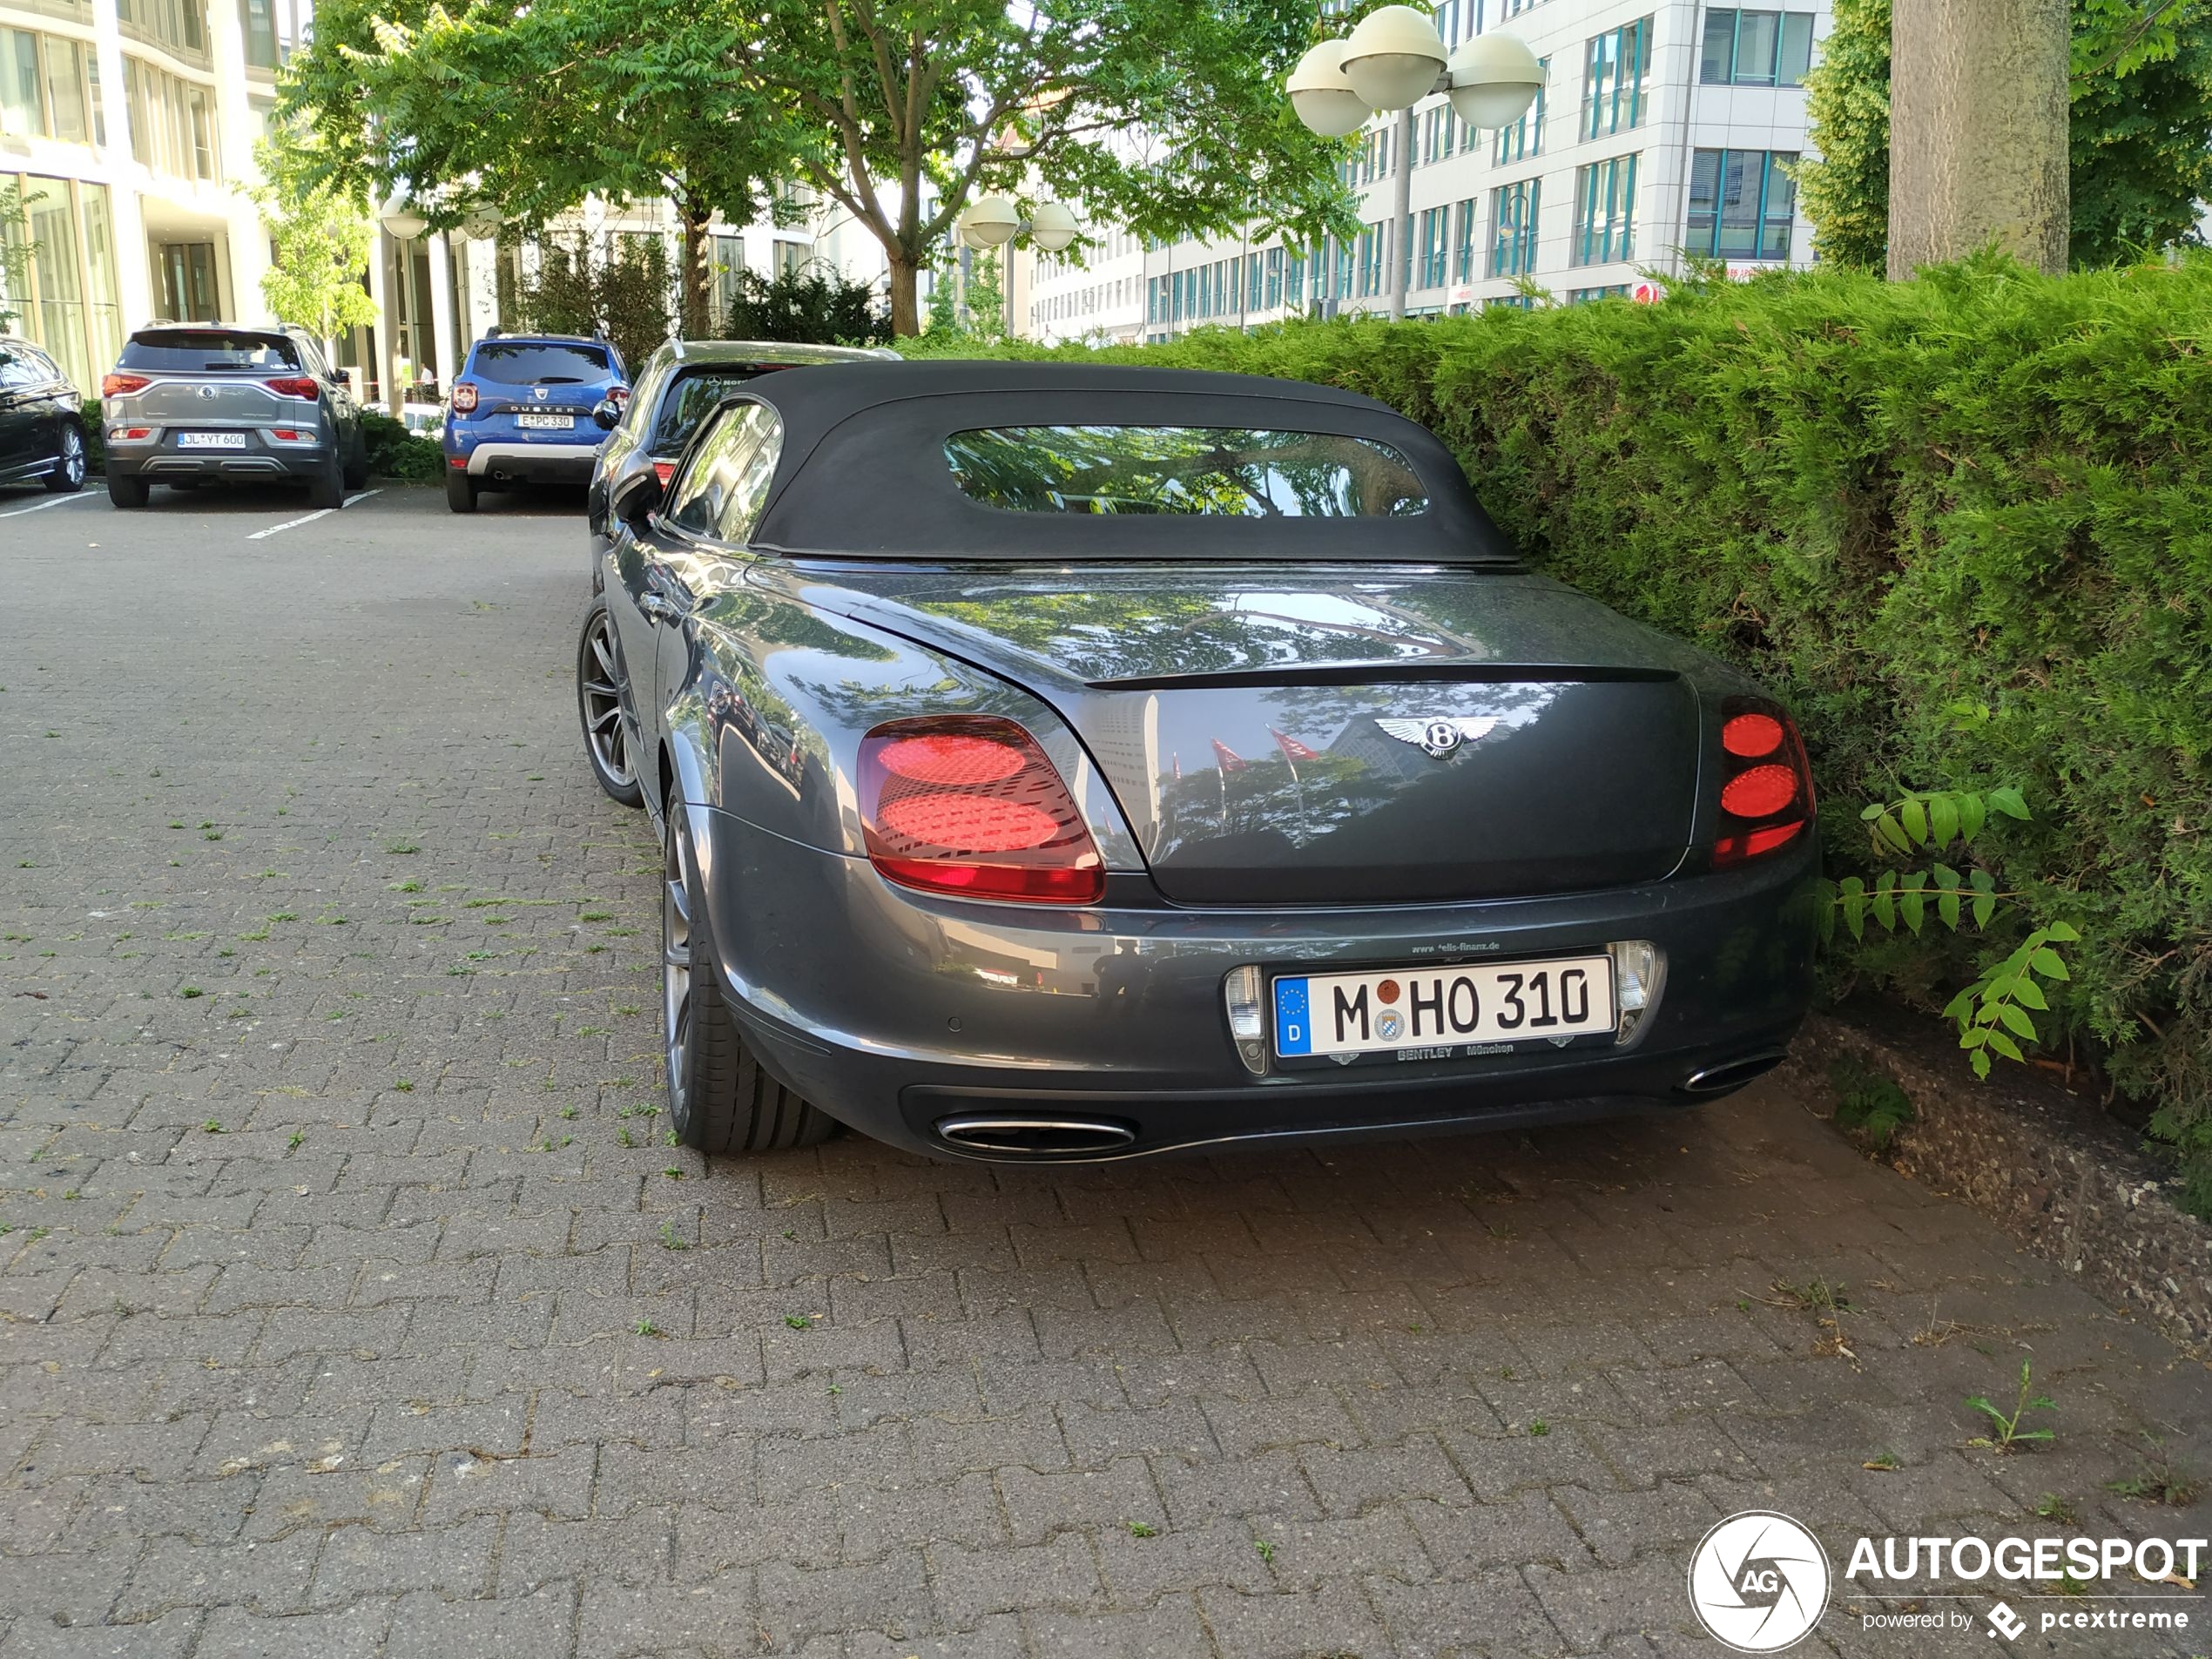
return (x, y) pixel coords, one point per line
(1438, 736)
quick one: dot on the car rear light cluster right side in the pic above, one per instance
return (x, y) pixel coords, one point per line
(970, 805)
(465, 397)
(1766, 787)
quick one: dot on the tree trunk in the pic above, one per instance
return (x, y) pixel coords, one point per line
(1978, 131)
(695, 283)
(906, 314)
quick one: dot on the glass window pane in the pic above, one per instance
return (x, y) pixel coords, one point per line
(1755, 46)
(1718, 58)
(1193, 471)
(65, 89)
(21, 113)
(103, 297)
(1796, 47)
(1741, 175)
(1704, 202)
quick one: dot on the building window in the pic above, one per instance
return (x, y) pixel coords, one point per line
(48, 87)
(1584, 296)
(172, 121)
(1742, 202)
(1605, 212)
(178, 27)
(1756, 48)
(1463, 267)
(1431, 233)
(1513, 210)
(1525, 137)
(1614, 67)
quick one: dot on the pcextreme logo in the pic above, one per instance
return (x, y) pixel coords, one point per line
(1758, 1582)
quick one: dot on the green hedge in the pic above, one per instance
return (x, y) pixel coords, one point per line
(1895, 502)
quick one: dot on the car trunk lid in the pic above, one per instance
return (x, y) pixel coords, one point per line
(1326, 735)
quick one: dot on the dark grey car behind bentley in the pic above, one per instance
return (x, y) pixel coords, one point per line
(196, 403)
(1065, 761)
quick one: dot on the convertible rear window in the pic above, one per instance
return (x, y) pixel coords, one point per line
(518, 362)
(1232, 472)
(190, 350)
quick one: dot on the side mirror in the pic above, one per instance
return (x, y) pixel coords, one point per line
(606, 415)
(634, 496)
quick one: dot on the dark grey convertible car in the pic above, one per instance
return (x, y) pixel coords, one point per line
(1065, 761)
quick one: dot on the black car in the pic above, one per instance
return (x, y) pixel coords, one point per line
(191, 402)
(1067, 761)
(42, 421)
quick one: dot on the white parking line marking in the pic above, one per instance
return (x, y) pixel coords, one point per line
(41, 506)
(364, 496)
(292, 523)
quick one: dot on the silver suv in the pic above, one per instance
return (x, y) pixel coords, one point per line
(191, 401)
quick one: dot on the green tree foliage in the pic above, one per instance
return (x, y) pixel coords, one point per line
(2140, 135)
(906, 109)
(320, 235)
(617, 286)
(814, 306)
(986, 299)
(1846, 192)
(1889, 500)
(530, 105)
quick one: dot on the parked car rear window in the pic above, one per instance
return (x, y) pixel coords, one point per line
(690, 399)
(1231, 472)
(187, 350)
(522, 362)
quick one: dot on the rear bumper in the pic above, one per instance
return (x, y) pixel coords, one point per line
(960, 1008)
(159, 458)
(567, 463)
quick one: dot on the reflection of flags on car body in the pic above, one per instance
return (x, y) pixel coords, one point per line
(1293, 751)
(1227, 759)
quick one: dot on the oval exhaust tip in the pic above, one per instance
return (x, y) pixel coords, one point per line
(1716, 1080)
(1036, 1138)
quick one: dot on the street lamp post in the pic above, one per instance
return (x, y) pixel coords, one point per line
(993, 221)
(1392, 61)
(403, 223)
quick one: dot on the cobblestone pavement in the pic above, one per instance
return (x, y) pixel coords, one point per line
(354, 1303)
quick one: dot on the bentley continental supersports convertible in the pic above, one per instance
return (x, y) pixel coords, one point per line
(1066, 761)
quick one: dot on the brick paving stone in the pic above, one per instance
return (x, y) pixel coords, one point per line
(359, 1371)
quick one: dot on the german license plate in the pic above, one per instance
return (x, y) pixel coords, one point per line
(1431, 1013)
(546, 423)
(211, 440)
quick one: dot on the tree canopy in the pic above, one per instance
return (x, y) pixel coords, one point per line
(320, 238)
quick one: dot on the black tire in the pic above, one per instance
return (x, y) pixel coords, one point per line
(68, 475)
(598, 707)
(124, 489)
(460, 490)
(327, 488)
(721, 1100)
(357, 461)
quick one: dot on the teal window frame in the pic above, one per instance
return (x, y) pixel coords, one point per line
(1525, 137)
(1605, 212)
(1515, 211)
(1774, 204)
(1616, 64)
(1782, 61)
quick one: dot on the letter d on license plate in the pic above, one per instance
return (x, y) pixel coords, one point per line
(1431, 1006)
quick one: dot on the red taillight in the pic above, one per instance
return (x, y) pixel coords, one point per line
(618, 396)
(465, 397)
(131, 432)
(123, 385)
(663, 470)
(1750, 736)
(285, 434)
(293, 385)
(1766, 788)
(969, 803)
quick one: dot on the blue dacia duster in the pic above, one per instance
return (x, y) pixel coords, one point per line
(527, 408)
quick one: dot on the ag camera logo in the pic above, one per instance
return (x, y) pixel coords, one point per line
(1758, 1582)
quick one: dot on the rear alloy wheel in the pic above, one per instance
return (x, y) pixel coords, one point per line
(719, 1097)
(460, 490)
(125, 490)
(598, 704)
(68, 475)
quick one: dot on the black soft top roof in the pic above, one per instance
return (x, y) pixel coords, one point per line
(864, 472)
